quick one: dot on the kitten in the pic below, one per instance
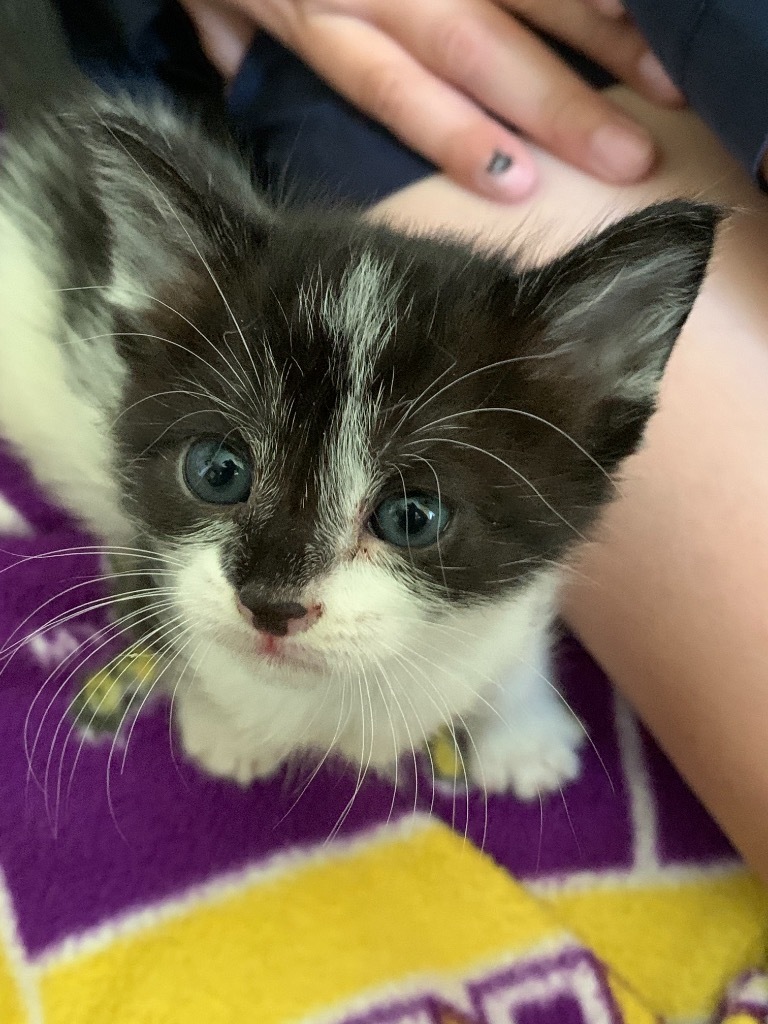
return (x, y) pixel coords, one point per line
(345, 465)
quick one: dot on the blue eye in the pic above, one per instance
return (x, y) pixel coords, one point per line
(410, 521)
(216, 473)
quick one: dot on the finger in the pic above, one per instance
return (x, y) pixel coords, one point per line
(616, 45)
(493, 58)
(225, 34)
(424, 112)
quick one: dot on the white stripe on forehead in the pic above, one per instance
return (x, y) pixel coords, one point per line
(360, 317)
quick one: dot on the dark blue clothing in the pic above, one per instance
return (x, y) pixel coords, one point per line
(308, 143)
(717, 53)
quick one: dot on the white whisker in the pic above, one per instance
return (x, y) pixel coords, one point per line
(515, 472)
(527, 415)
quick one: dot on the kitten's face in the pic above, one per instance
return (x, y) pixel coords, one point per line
(340, 439)
(323, 481)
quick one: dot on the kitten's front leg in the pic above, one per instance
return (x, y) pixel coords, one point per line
(530, 745)
(219, 744)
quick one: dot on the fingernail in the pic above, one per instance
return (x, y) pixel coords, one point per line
(621, 154)
(508, 178)
(656, 78)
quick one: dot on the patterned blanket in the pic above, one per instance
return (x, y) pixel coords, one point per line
(134, 890)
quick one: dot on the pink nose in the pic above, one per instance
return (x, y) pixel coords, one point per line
(286, 618)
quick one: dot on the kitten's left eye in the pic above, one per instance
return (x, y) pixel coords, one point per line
(410, 521)
(216, 473)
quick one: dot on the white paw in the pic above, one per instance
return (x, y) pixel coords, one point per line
(530, 757)
(214, 742)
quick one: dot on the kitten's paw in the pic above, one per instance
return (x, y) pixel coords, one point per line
(530, 758)
(212, 740)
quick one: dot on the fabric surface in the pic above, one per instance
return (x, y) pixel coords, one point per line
(134, 889)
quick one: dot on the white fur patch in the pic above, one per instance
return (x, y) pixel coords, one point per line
(362, 316)
(361, 319)
(64, 439)
(530, 741)
(389, 673)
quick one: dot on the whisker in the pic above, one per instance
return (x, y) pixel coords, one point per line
(527, 415)
(159, 655)
(114, 629)
(174, 344)
(188, 690)
(84, 643)
(62, 719)
(329, 750)
(412, 405)
(115, 740)
(139, 294)
(421, 458)
(64, 617)
(515, 472)
(183, 227)
(477, 370)
(124, 656)
(541, 832)
(377, 668)
(561, 697)
(423, 731)
(364, 764)
(448, 717)
(570, 822)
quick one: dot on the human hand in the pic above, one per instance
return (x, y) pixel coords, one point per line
(447, 76)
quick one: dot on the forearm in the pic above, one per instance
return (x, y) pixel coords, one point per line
(675, 605)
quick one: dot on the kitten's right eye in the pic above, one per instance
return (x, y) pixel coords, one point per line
(216, 473)
(410, 520)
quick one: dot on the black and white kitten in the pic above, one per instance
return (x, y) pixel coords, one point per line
(357, 460)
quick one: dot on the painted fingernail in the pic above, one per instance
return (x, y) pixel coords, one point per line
(499, 163)
(508, 178)
(621, 154)
(656, 78)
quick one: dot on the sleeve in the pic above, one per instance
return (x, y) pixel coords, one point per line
(717, 53)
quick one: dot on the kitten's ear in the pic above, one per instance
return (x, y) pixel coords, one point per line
(608, 313)
(610, 310)
(169, 190)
